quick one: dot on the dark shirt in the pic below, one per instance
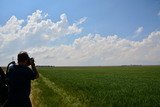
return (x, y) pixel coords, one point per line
(3, 87)
(19, 82)
(2, 77)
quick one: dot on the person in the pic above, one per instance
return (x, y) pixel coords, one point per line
(3, 88)
(19, 80)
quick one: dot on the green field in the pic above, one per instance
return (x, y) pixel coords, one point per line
(132, 86)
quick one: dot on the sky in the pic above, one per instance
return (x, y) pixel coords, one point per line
(81, 32)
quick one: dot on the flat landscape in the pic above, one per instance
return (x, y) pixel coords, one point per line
(117, 86)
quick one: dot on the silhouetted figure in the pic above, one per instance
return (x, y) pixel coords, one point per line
(19, 81)
(3, 88)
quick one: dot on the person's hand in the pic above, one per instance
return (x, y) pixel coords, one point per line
(32, 61)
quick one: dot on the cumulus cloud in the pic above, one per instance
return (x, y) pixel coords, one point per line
(139, 30)
(37, 34)
(37, 30)
(99, 50)
(37, 26)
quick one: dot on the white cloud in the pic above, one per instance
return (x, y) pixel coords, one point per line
(82, 20)
(139, 30)
(100, 50)
(158, 13)
(38, 32)
(38, 27)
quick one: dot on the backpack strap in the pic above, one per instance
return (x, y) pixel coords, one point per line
(13, 62)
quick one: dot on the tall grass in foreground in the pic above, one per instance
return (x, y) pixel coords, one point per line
(100, 86)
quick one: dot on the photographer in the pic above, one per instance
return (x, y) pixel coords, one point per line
(19, 81)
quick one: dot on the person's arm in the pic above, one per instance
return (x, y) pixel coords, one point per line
(34, 69)
(2, 72)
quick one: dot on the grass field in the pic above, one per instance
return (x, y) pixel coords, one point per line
(136, 86)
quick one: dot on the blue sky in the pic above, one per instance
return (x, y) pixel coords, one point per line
(106, 17)
(132, 20)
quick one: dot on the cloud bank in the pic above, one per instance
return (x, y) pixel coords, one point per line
(37, 34)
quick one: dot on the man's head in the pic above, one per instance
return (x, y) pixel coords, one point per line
(23, 57)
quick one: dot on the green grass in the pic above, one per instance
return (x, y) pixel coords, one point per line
(100, 86)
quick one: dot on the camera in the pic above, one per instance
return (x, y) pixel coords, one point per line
(30, 61)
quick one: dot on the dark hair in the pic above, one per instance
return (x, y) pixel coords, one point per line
(22, 56)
